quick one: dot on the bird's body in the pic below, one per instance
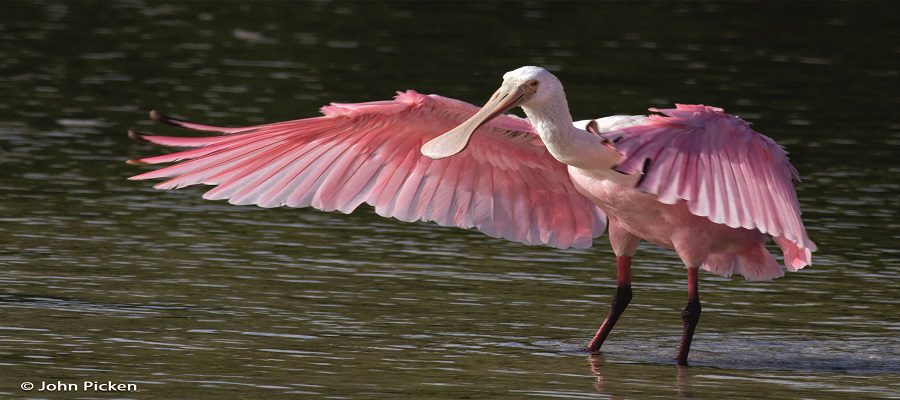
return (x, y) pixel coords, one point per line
(636, 215)
(695, 179)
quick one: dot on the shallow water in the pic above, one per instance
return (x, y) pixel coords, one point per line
(105, 279)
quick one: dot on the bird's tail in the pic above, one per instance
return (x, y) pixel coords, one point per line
(754, 264)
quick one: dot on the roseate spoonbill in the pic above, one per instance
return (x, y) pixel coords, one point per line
(693, 178)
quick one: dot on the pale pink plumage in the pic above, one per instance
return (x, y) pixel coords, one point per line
(505, 185)
(714, 165)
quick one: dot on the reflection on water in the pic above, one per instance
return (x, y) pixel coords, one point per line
(106, 279)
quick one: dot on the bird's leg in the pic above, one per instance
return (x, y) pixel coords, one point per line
(619, 302)
(690, 315)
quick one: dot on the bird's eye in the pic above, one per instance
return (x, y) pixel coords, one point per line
(533, 84)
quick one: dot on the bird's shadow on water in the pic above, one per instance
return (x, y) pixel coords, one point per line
(811, 356)
(815, 355)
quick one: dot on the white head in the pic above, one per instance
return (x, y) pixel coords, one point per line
(543, 85)
(528, 87)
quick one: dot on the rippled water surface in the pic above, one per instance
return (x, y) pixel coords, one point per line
(105, 279)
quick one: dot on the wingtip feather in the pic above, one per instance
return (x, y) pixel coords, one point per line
(137, 136)
(160, 117)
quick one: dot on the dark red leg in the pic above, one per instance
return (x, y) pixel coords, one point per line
(620, 301)
(690, 315)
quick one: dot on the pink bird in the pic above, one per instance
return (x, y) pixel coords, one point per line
(693, 179)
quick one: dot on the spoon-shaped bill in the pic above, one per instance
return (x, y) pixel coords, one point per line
(454, 141)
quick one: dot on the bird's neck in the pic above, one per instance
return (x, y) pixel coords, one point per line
(568, 144)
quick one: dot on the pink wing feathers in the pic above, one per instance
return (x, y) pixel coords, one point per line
(725, 171)
(504, 184)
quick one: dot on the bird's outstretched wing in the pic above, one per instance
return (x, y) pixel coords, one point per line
(504, 184)
(722, 168)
